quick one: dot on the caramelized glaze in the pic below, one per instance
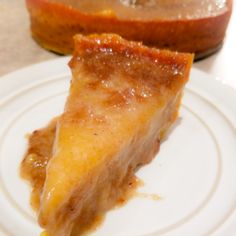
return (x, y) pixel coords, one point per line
(39, 152)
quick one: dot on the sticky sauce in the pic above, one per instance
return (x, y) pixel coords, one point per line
(133, 192)
(154, 197)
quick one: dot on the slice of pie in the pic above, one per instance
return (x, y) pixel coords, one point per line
(123, 99)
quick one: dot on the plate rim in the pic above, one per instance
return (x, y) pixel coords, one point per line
(208, 86)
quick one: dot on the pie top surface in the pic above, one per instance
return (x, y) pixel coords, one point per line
(150, 9)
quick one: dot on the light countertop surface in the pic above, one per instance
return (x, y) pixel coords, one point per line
(18, 49)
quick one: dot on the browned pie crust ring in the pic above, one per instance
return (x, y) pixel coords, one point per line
(53, 26)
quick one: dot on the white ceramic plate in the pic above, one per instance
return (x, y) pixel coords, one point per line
(195, 172)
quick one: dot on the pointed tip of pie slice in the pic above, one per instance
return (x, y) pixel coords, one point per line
(123, 98)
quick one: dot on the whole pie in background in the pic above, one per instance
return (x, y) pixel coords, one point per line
(192, 26)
